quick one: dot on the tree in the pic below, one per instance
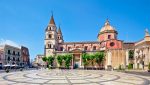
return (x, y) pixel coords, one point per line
(44, 59)
(130, 66)
(99, 57)
(67, 59)
(60, 60)
(50, 60)
(149, 66)
(131, 54)
(92, 57)
(84, 59)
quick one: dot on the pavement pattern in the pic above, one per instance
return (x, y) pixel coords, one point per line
(72, 77)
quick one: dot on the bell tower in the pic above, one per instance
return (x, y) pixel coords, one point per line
(107, 32)
(50, 38)
(60, 36)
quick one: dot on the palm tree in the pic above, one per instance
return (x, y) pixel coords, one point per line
(99, 57)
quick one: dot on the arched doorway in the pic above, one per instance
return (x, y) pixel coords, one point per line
(77, 58)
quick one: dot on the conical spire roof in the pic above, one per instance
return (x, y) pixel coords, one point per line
(59, 30)
(52, 20)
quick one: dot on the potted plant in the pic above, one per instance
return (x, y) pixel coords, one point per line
(149, 67)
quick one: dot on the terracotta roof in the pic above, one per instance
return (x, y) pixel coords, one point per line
(52, 20)
(84, 42)
(128, 45)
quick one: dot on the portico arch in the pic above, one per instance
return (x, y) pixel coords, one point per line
(77, 58)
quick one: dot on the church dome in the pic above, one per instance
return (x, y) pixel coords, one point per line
(107, 27)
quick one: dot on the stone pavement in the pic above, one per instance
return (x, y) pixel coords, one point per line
(72, 77)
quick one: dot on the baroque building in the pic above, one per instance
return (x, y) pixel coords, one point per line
(117, 52)
(25, 56)
(11, 55)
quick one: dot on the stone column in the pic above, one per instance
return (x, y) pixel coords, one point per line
(72, 62)
(146, 56)
(109, 58)
(80, 60)
(127, 57)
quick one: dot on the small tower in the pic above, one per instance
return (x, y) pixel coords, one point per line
(60, 36)
(147, 35)
(107, 32)
(50, 38)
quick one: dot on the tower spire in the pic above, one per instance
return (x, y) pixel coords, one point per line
(107, 22)
(59, 30)
(52, 20)
(146, 32)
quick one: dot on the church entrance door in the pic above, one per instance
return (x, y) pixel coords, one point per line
(76, 60)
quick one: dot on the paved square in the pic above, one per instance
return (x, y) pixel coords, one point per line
(72, 77)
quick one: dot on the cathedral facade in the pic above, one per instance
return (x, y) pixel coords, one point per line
(117, 52)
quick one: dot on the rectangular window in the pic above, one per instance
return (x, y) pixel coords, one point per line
(50, 36)
(8, 51)
(18, 53)
(61, 48)
(49, 46)
(13, 52)
(109, 36)
(85, 48)
(69, 48)
(51, 28)
(94, 48)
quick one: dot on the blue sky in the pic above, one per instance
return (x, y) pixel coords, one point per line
(24, 21)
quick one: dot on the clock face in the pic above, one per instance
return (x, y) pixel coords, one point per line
(112, 44)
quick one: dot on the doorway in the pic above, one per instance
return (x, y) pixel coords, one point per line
(76, 61)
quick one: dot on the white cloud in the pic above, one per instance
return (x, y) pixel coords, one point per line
(9, 42)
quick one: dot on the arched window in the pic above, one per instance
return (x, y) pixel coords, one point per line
(49, 28)
(59, 37)
(49, 45)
